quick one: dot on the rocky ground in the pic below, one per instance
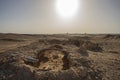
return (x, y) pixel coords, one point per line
(59, 57)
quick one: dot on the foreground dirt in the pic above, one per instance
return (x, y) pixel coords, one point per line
(59, 57)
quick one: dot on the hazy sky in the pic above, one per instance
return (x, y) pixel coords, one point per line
(41, 16)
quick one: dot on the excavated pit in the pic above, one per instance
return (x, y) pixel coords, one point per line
(53, 59)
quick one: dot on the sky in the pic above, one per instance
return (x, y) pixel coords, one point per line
(41, 17)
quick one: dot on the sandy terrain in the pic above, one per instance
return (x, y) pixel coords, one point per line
(59, 57)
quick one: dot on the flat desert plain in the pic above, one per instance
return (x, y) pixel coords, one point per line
(60, 57)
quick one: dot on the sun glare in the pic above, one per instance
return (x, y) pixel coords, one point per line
(67, 8)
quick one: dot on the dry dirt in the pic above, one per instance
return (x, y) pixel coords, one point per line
(60, 57)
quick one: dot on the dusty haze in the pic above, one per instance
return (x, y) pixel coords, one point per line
(40, 16)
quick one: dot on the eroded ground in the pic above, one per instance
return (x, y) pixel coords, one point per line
(59, 57)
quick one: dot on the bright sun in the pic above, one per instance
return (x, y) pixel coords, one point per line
(67, 8)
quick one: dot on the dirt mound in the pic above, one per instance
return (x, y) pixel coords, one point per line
(88, 45)
(53, 59)
(109, 36)
(54, 41)
(69, 41)
(81, 37)
(75, 42)
(49, 60)
(56, 47)
(92, 46)
(11, 40)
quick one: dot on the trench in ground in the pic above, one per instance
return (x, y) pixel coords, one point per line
(51, 59)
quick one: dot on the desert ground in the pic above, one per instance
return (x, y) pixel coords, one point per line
(60, 57)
